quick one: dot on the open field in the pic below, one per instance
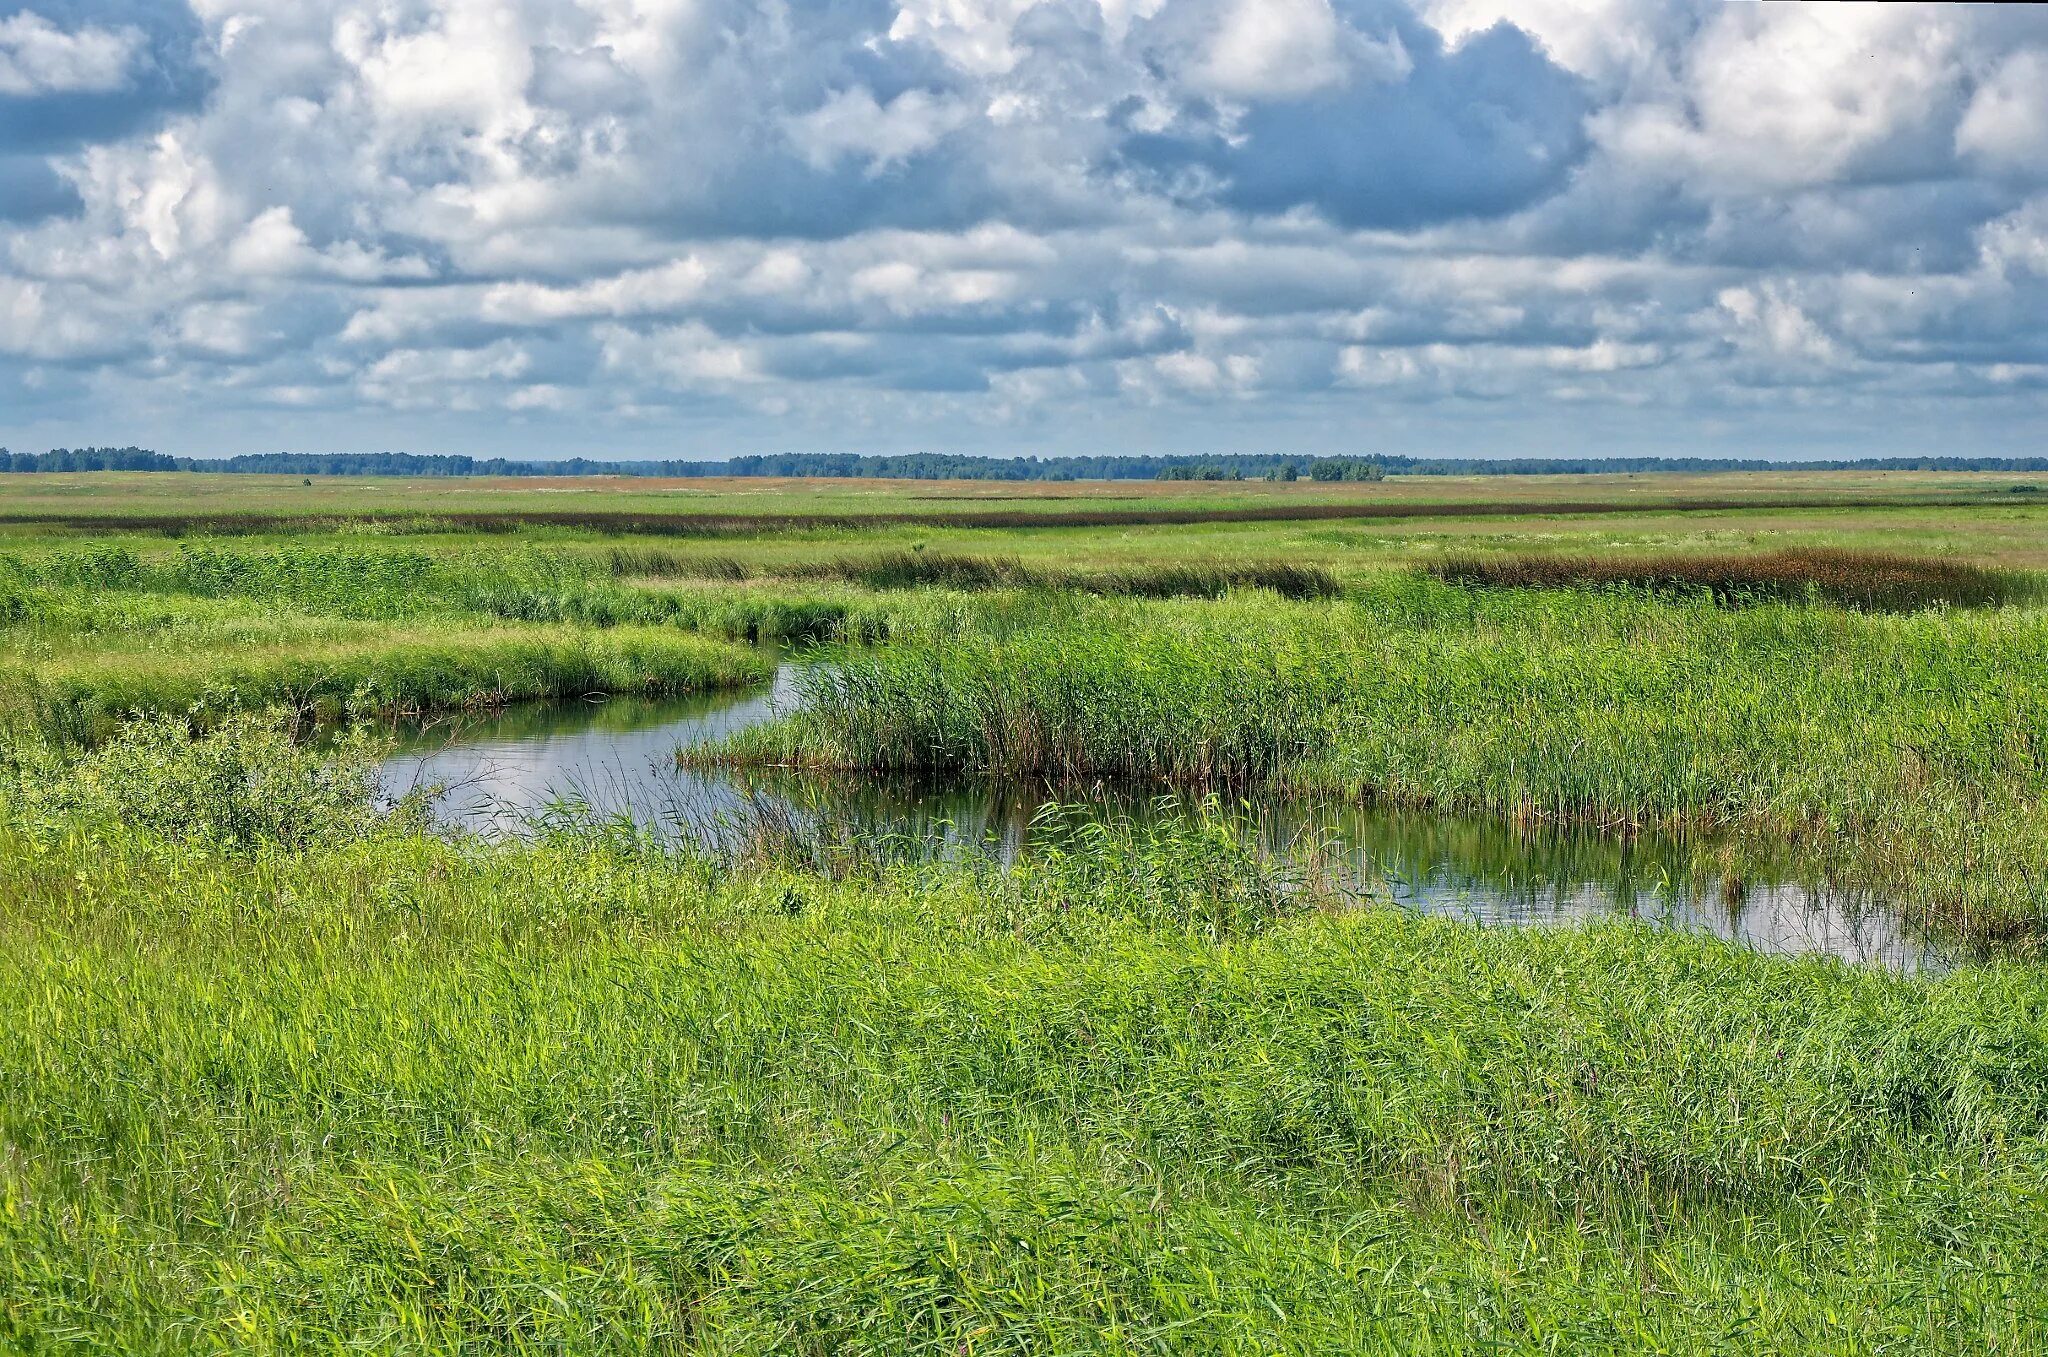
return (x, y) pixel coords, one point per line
(285, 1067)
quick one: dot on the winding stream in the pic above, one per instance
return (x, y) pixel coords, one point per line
(617, 757)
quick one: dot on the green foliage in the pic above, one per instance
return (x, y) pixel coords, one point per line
(1344, 469)
(1199, 471)
(243, 784)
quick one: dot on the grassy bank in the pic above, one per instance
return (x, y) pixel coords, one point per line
(916, 570)
(77, 657)
(379, 674)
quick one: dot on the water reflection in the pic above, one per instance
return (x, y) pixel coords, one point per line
(617, 757)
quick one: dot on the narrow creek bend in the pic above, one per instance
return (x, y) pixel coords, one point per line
(617, 757)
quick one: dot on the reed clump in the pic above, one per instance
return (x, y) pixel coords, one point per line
(1872, 581)
(657, 563)
(1906, 746)
(915, 569)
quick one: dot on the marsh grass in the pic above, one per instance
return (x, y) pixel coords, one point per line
(916, 569)
(281, 1072)
(1195, 864)
(839, 513)
(660, 563)
(207, 663)
(399, 583)
(1904, 750)
(584, 1095)
(1873, 581)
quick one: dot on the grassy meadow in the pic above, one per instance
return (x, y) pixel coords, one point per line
(286, 1068)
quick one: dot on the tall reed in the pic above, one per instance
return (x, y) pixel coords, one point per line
(1875, 581)
(1908, 744)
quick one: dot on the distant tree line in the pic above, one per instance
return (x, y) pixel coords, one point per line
(1272, 469)
(88, 459)
(953, 466)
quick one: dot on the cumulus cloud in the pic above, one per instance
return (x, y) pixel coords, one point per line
(717, 226)
(2005, 126)
(1275, 48)
(37, 57)
(1778, 98)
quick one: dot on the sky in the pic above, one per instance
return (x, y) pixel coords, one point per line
(706, 228)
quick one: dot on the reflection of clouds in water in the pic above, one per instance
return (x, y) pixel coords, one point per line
(618, 758)
(1781, 917)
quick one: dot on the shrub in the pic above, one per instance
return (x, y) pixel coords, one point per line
(245, 783)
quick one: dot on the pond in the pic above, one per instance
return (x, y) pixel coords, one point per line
(617, 757)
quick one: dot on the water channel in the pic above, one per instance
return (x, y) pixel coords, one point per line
(497, 771)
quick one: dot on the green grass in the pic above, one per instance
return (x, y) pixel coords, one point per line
(335, 669)
(282, 1072)
(405, 1095)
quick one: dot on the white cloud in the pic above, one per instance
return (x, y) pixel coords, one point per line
(1603, 39)
(2006, 124)
(2017, 241)
(37, 57)
(469, 69)
(1181, 222)
(1771, 97)
(1275, 47)
(1772, 325)
(685, 357)
(220, 329)
(851, 123)
(666, 288)
(542, 396)
(973, 34)
(502, 361)
(165, 194)
(271, 244)
(460, 379)
(1487, 368)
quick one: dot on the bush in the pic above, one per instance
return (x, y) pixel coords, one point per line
(245, 783)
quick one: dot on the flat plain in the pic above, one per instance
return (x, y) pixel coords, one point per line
(285, 1066)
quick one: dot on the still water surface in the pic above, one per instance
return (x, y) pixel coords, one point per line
(617, 757)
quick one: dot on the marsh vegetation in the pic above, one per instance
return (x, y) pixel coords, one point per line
(1873, 581)
(285, 1064)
